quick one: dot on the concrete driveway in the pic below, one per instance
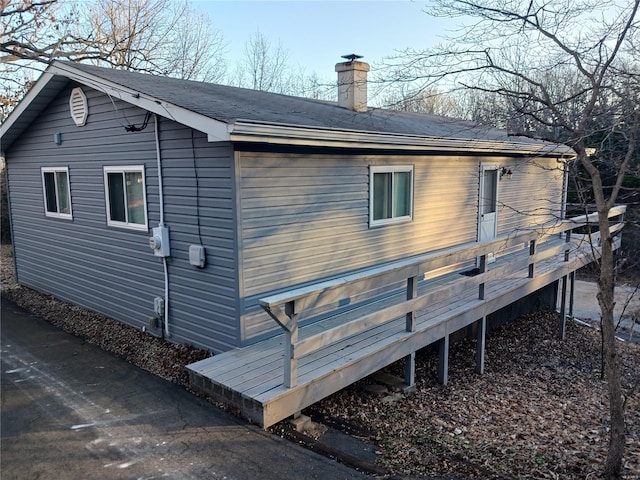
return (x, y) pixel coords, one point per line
(585, 307)
(72, 411)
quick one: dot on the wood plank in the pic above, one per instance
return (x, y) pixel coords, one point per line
(444, 293)
(543, 254)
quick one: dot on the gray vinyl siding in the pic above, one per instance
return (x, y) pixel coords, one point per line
(199, 201)
(112, 270)
(532, 196)
(305, 218)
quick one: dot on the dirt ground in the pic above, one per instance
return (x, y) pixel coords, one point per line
(539, 411)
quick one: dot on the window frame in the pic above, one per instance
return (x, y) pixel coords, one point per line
(123, 169)
(373, 169)
(57, 213)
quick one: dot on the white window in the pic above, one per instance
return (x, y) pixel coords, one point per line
(126, 197)
(57, 194)
(390, 194)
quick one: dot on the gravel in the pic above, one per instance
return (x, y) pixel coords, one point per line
(540, 409)
(135, 346)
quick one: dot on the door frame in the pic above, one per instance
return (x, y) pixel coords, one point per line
(486, 166)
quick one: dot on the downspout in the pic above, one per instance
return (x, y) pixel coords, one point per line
(161, 224)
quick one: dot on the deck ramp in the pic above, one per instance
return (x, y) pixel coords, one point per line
(251, 378)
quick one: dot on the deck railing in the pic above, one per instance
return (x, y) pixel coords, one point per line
(285, 308)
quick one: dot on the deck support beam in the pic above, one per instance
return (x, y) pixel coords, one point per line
(563, 308)
(480, 345)
(443, 360)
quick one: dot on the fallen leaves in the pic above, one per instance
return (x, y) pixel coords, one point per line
(539, 411)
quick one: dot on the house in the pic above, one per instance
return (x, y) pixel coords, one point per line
(203, 212)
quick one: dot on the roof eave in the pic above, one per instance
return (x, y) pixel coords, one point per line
(56, 77)
(28, 109)
(215, 130)
(282, 134)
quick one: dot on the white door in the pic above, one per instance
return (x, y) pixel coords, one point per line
(488, 205)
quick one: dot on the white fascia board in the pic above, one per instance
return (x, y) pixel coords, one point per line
(244, 131)
(214, 129)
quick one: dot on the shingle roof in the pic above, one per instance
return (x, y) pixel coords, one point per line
(269, 115)
(228, 104)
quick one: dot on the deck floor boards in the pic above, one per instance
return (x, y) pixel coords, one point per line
(252, 377)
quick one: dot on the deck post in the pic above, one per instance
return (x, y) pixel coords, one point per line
(483, 268)
(290, 338)
(410, 360)
(532, 265)
(410, 372)
(572, 288)
(480, 344)
(563, 305)
(412, 292)
(567, 240)
(443, 360)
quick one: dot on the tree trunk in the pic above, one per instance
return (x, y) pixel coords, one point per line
(606, 279)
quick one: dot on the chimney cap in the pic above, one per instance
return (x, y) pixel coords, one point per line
(352, 56)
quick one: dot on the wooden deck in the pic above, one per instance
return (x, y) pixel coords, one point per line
(278, 377)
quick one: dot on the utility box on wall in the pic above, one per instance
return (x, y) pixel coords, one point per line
(197, 256)
(159, 242)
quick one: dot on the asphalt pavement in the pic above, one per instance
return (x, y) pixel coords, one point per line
(73, 411)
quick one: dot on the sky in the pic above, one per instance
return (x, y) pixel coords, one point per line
(316, 33)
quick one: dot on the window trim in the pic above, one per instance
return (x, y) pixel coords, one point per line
(125, 169)
(56, 214)
(373, 169)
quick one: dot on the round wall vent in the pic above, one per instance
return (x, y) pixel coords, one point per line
(78, 106)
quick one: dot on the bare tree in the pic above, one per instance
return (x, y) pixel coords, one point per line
(36, 30)
(32, 33)
(566, 71)
(428, 101)
(164, 37)
(198, 51)
(264, 66)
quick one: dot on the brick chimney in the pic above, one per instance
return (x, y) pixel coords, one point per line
(352, 83)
